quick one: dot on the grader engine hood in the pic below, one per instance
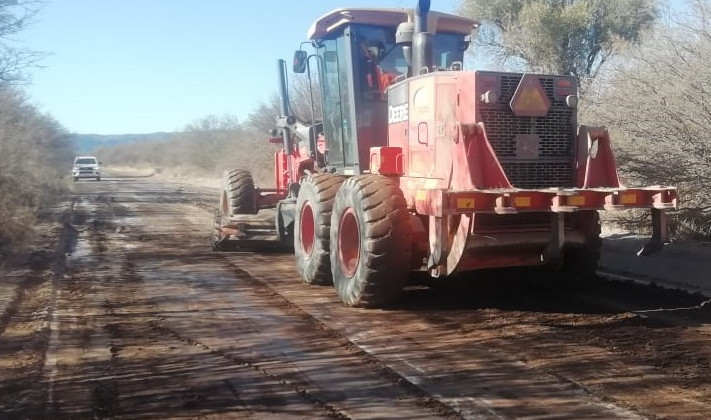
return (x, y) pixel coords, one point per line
(530, 122)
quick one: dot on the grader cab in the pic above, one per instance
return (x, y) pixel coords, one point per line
(420, 165)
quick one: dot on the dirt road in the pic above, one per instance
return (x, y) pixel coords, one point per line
(124, 312)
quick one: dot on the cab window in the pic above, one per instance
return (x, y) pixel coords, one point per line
(378, 60)
(448, 49)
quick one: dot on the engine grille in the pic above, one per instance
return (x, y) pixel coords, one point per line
(553, 167)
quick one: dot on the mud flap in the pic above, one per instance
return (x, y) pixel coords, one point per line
(285, 219)
(459, 243)
(447, 247)
(217, 240)
(660, 235)
(439, 239)
(553, 253)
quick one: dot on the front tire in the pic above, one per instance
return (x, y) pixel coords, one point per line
(371, 241)
(312, 225)
(238, 193)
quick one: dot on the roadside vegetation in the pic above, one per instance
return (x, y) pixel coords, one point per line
(213, 144)
(643, 72)
(205, 148)
(34, 148)
(657, 104)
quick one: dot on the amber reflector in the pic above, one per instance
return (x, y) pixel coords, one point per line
(530, 99)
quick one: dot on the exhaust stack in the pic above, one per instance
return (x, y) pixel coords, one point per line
(422, 40)
(284, 120)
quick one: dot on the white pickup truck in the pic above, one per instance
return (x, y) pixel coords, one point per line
(86, 167)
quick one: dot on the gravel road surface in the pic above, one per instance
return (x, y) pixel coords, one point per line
(122, 311)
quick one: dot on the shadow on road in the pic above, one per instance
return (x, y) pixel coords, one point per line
(528, 290)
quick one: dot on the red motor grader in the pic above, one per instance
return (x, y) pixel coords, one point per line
(443, 170)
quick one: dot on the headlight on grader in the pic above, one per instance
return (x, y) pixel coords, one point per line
(489, 97)
(571, 101)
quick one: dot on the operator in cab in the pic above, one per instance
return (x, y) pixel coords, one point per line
(376, 79)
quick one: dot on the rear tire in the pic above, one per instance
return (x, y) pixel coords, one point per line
(238, 193)
(371, 241)
(312, 224)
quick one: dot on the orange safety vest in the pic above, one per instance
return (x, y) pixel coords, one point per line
(384, 79)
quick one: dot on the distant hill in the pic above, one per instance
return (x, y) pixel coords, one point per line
(85, 143)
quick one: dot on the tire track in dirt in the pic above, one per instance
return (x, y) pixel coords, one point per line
(464, 373)
(79, 346)
(301, 388)
(26, 321)
(105, 393)
(606, 343)
(132, 323)
(281, 372)
(426, 400)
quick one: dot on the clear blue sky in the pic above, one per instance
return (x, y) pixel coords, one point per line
(141, 66)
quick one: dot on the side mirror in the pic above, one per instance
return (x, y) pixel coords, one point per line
(300, 58)
(274, 137)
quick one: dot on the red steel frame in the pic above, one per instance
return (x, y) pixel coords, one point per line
(458, 175)
(300, 162)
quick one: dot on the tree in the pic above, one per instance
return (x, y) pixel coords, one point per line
(35, 155)
(15, 16)
(263, 118)
(657, 103)
(301, 95)
(574, 37)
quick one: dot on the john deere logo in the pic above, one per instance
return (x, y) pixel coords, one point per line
(397, 113)
(530, 99)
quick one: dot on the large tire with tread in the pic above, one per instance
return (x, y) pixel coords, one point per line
(312, 224)
(371, 241)
(238, 195)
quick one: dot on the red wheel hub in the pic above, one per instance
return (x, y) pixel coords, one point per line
(349, 242)
(307, 233)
